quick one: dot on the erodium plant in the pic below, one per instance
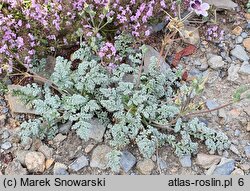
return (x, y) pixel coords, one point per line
(135, 106)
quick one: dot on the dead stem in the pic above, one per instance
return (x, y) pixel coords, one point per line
(211, 110)
(157, 157)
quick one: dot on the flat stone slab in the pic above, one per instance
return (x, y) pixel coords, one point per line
(97, 130)
(150, 54)
(16, 106)
(222, 4)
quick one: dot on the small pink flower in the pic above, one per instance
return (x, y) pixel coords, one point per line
(199, 8)
(19, 42)
(147, 33)
(111, 67)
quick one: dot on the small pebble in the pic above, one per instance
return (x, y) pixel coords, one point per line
(162, 163)
(248, 25)
(239, 39)
(79, 163)
(237, 133)
(244, 35)
(223, 54)
(6, 145)
(247, 151)
(185, 161)
(60, 169)
(225, 154)
(5, 135)
(5, 110)
(127, 161)
(2, 102)
(211, 104)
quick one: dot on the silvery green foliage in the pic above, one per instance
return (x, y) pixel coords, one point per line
(28, 94)
(37, 129)
(130, 109)
(38, 65)
(214, 140)
(114, 160)
(30, 128)
(123, 45)
(62, 73)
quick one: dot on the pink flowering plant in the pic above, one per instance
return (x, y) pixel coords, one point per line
(214, 32)
(41, 27)
(38, 28)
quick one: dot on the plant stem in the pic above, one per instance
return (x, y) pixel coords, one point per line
(211, 110)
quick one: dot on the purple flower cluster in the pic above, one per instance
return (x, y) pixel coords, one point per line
(214, 32)
(26, 25)
(39, 27)
(109, 55)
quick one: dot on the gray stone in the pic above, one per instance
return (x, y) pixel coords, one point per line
(79, 163)
(152, 53)
(15, 168)
(240, 53)
(234, 149)
(127, 161)
(20, 156)
(244, 35)
(2, 120)
(237, 133)
(64, 128)
(162, 163)
(222, 113)
(233, 73)
(47, 151)
(158, 27)
(89, 148)
(145, 167)
(99, 158)
(223, 54)
(245, 68)
(27, 143)
(195, 73)
(226, 167)
(203, 120)
(222, 4)
(248, 25)
(185, 161)
(59, 138)
(206, 161)
(247, 151)
(225, 154)
(6, 145)
(60, 169)
(97, 130)
(16, 106)
(211, 104)
(197, 62)
(239, 40)
(210, 171)
(5, 134)
(2, 102)
(5, 110)
(238, 172)
(216, 62)
(49, 67)
(245, 166)
(204, 66)
(35, 161)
